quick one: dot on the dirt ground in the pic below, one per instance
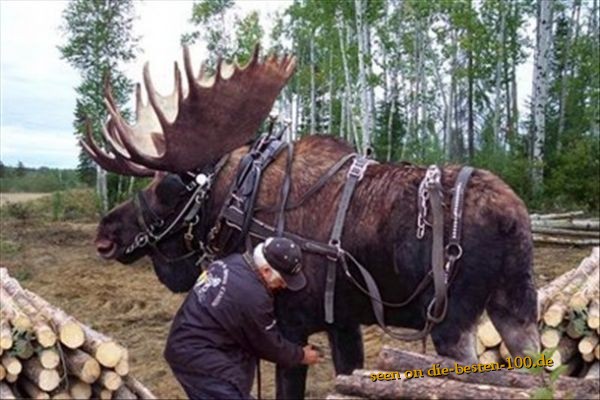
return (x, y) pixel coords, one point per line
(58, 261)
(19, 197)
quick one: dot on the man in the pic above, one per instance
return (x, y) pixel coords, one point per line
(227, 322)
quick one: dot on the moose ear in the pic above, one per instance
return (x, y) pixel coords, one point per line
(169, 188)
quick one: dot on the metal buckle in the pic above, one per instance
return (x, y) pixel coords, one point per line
(358, 167)
(337, 244)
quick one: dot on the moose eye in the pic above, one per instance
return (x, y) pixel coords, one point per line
(169, 189)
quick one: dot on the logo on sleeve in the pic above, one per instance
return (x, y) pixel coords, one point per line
(215, 277)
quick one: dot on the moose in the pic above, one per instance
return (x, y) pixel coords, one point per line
(213, 121)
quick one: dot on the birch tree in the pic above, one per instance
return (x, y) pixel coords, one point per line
(99, 39)
(540, 88)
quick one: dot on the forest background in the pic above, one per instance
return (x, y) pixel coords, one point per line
(419, 81)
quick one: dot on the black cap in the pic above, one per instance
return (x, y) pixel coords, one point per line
(285, 256)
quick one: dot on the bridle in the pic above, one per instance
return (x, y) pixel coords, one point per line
(190, 215)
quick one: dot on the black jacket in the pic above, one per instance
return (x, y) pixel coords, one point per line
(224, 324)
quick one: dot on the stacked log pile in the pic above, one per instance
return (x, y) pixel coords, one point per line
(568, 319)
(45, 353)
(565, 228)
(501, 384)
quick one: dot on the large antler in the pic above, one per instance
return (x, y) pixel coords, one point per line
(219, 113)
(107, 160)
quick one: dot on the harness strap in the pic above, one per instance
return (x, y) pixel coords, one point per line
(319, 184)
(355, 175)
(285, 189)
(437, 251)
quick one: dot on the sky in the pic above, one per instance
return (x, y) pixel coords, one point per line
(37, 92)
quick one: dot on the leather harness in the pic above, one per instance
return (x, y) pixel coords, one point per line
(237, 214)
(240, 205)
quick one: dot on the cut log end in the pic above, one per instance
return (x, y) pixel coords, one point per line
(49, 358)
(109, 354)
(110, 380)
(71, 335)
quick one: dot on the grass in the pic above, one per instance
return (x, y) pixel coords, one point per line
(68, 205)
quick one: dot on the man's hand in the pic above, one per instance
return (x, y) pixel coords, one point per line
(311, 355)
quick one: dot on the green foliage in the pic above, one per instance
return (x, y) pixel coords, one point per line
(69, 205)
(8, 247)
(19, 211)
(99, 38)
(40, 180)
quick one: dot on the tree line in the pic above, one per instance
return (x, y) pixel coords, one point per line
(422, 81)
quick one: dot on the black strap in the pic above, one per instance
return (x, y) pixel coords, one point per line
(355, 175)
(318, 185)
(285, 189)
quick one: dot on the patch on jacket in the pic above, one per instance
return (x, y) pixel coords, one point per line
(214, 278)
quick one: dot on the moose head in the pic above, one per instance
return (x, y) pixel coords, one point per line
(175, 138)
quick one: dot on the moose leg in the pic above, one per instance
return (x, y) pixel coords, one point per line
(512, 306)
(346, 348)
(455, 336)
(290, 382)
(456, 344)
(514, 316)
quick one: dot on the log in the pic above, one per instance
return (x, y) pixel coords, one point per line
(82, 365)
(594, 371)
(45, 379)
(554, 314)
(6, 392)
(49, 358)
(44, 334)
(550, 337)
(105, 350)
(338, 396)
(122, 368)
(480, 346)
(487, 333)
(587, 344)
(102, 393)
(2, 372)
(504, 352)
(31, 389)
(140, 390)
(79, 390)
(60, 394)
(589, 291)
(11, 378)
(6, 341)
(588, 357)
(11, 364)
(576, 224)
(576, 328)
(110, 380)
(123, 393)
(490, 356)
(564, 232)
(70, 332)
(391, 359)
(538, 238)
(593, 319)
(569, 214)
(597, 352)
(557, 361)
(17, 318)
(360, 383)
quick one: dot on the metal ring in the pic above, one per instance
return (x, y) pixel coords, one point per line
(450, 247)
